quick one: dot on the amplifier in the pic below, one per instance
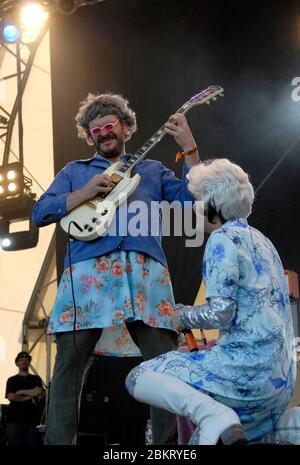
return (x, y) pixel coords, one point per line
(108, 414)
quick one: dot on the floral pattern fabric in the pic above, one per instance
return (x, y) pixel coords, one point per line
(111, 289)
(116, 341)
(252, 367)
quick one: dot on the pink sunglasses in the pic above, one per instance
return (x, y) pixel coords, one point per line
(107, 128)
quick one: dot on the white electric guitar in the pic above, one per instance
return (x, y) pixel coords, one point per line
(93, 218)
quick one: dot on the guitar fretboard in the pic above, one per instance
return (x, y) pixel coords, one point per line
(160, 133)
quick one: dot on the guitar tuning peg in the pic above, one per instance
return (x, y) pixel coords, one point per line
(221, 95)
(214, 98)
(207, 102)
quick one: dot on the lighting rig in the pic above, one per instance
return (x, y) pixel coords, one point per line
(23, 25)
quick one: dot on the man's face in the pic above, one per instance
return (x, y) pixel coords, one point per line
(23, 363)
(107, 134)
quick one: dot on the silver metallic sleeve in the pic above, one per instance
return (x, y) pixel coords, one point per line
(218, 313)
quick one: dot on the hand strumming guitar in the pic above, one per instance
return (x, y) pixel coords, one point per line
(98, 184)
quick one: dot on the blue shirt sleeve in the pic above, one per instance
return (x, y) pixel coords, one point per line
(51, 206)
(221, 267)
(174, 188)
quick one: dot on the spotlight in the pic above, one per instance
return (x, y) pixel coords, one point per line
(66, 7)
(13, 210)
(8, 173)
(12, 187)
(16, 207)
(10, 33)
(33, 17)
(11, 175)
(5, 243)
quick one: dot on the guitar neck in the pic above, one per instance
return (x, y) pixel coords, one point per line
(207, 95)
(150, 143)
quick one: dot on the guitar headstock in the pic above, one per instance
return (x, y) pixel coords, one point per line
(207, 95)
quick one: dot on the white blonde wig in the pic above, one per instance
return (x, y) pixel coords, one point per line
(224, 186)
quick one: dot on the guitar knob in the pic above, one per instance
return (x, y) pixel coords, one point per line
(104, 212)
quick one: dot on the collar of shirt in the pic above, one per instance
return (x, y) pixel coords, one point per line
(99, 160)
(237, 222)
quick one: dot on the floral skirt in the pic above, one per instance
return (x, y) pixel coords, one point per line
(123, 285)
(116, 341)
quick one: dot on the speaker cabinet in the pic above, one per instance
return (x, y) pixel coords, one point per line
(108, 414)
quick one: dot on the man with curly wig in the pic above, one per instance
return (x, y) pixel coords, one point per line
(248, 377)
(117, 277)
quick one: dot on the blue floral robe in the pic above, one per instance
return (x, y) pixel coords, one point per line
(252, 368)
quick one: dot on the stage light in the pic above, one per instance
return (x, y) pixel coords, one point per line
(66, 7)
(17, 210)
(33, 17)
(12, 187)
(5, 243)
(8, 173)
(10, 33)
(11, 175)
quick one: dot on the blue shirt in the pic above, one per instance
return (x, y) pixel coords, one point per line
(157, 184)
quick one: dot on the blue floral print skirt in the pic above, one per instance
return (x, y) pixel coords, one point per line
(123, 285)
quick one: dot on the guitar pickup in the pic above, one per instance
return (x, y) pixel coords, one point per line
(115, 179)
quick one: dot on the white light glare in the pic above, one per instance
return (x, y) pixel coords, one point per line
(5, 243)
(1, 190)
(12, 187)
(33, 17)
(11, 174)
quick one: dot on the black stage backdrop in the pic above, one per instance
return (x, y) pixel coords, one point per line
(158, 54)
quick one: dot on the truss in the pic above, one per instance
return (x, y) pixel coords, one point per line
(23, 68)
(35, 339)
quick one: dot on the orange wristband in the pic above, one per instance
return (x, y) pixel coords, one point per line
(179, 155)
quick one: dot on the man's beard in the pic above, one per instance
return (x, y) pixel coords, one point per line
(110, 153)
(24, 367)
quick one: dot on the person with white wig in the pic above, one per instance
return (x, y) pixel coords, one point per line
(237, 390)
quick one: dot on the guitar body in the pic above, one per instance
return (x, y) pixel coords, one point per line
(93, 218)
